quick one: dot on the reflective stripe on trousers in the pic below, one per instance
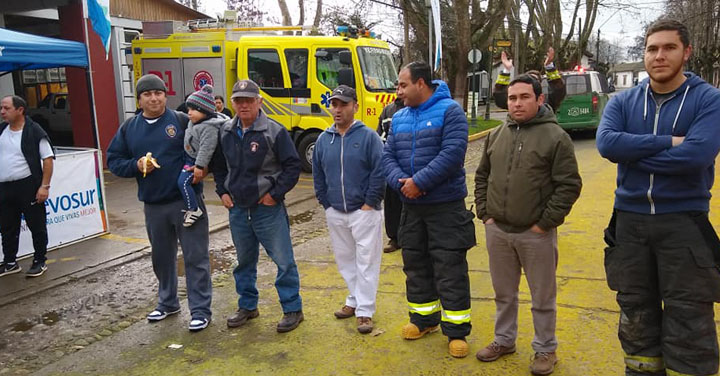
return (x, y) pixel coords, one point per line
(456, 317)
(645, 363)
(425, 309)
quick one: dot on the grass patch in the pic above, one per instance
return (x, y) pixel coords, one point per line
(481, 125)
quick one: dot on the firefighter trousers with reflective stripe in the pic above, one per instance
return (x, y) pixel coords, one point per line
(434, 240)
(666, 280)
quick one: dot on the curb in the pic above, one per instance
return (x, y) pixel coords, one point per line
(479, 135)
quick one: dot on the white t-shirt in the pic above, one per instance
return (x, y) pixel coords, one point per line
(13, 165)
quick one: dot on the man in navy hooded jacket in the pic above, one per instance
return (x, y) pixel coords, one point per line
(423, 160)
(664, 135)
(349, 183)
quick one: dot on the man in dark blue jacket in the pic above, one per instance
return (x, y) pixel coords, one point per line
(662, 256)
(160, 131)
(349, 183)
(423, 160)
(259, 166)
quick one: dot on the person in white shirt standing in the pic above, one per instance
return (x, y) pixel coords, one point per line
(350, 184)
(26, 166)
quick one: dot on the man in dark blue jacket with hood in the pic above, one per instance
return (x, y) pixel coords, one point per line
(160, 131)
(349, 184)
(662, 255)
(423, 160)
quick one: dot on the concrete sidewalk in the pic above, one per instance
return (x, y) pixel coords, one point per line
(126, 240)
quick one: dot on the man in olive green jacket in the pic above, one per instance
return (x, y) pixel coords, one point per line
(525, 185)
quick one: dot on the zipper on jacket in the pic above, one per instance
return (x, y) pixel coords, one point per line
(412, 153)
(510, 167)
(652, 175)
(342, 170)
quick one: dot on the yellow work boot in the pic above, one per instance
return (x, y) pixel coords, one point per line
(411, 331)
(458, 348)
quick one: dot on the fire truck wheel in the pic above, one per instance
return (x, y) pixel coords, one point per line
(305, 148)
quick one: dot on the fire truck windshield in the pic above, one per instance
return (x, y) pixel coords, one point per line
(378, 69)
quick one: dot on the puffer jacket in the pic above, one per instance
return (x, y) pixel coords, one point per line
(428, 143)
(528, 174)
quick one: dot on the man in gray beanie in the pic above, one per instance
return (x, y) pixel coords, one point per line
(160, 131)
(149, 82)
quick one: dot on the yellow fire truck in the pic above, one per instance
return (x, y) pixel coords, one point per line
(296, 73)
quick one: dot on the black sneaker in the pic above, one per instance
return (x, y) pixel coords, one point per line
(37, 269)
(290, 321)
(7, 269)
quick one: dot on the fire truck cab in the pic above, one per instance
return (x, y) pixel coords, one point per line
(296, 73)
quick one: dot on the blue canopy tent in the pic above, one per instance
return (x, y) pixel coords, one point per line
(21, 51)
(26, 51)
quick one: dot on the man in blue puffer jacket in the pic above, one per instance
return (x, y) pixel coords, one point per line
(423, 160)
(662, 256)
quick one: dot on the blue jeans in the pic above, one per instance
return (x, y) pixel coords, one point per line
(269, 226)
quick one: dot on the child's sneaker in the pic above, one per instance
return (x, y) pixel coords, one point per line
(192, 216)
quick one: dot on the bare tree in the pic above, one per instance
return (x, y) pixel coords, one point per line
(247, 9)
(466, 24)
(194, 4)
(286, 19)
(702, 17)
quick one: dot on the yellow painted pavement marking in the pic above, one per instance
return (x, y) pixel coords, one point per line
(124, 239)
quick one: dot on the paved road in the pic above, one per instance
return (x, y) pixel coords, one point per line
(106, 333)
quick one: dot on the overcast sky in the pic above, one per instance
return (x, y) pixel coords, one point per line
(619, 26)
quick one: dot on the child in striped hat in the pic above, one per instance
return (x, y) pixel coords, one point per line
(200, 141)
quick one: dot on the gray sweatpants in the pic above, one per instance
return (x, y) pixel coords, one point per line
(164, 228)
(537, 254)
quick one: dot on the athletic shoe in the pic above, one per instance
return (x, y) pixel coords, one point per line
(191, 217)
(158, 315)
(198, 324)
(7, 269)
(37, 269)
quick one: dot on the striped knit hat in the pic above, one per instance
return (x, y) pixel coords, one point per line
(203, 100)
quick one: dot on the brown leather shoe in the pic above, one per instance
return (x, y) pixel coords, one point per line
(493, 351)
(345, 312)
(543, 363)
(290, 321)
(241, 316)
(364, 325)
(411, 331)
(391, 246)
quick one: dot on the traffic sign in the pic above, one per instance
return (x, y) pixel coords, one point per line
(474, 56)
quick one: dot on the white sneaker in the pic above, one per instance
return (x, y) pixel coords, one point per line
(198, 324)
(191, 217)
(158, 315)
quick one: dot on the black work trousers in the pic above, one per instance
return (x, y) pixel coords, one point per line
(666, 279)
(434, 240)
(17, 199)
(393, 209)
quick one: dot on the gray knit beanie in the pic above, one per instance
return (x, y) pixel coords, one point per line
(149, 82)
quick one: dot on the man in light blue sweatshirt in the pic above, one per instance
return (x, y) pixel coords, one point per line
(350, 184)
(662, 256)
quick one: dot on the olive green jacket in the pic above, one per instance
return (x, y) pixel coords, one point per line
(528, 174)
